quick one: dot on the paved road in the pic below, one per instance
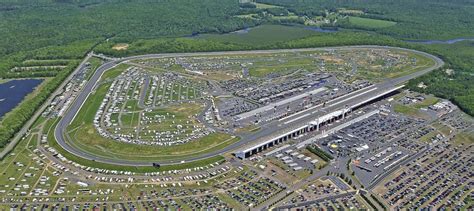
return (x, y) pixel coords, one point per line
(313, 202)
(264, 132)
(146, 87)
(30, 122)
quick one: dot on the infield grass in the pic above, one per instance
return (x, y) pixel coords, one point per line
(83, 135)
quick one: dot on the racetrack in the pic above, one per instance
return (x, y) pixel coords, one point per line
(267, 130)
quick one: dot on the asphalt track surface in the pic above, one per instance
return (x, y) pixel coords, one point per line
(38, 112)
(262, 134)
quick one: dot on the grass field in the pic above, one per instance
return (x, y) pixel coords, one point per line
(264, 64)
(248, 129)
(376, 75)
(88, 140)
(266, 6)
(464, 138)
(422, 62)
(410, 111)
(428, 136)
(95, 63)
(84, 136)
(370, 23)
(141, 169)
(265, 34)
(427, 102)
(445, 130)
(19, 168)
(289, 65)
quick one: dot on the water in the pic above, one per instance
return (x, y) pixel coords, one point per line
(319, 29)
(452, 41)
(13, 92)
(242, 31)
(247, 30)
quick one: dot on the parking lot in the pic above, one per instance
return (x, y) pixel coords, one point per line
(139, 108)
(441, 172)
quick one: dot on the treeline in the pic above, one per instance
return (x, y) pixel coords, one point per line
(372, 205)
(456, 86)
(67, 29)
(167, 45)
(320, 153)
(14, 120)
(32, 74)
(270, 15)
(68, 55)
(31, 25)
(248, 5)
(54, 62)
(173, 45)
(277, 11)
(51, 55)
(417, 19)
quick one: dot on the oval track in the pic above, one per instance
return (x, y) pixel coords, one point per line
(60, 129)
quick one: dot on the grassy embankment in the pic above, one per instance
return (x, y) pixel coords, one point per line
(84, 136)
(49, 129)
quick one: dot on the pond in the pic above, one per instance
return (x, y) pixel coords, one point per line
(14, 91)
(452, 41)
(246, 30)
(323, 30)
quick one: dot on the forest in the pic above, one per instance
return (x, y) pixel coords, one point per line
(61, 32)
(30, 25)
(417, 19)
(458, 85)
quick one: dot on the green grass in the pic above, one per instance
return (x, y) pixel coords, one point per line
(266, 6)
(464, 138)
(376, 75)
(113, 73)
(233, 203)
(141, 169)
(95, 63)
(181, 116)
(444, 129)
(288, 17)
(263, 68)
(21, 154)
(252, 16)
(132, 105)
(405, 109)
(84, 135)
(428, 136)
(40, 120)
(248, 129)
(409, 111)
(427, 102)
(422, 62)
(88, 110)
(88, 140)
(129, 119)
(95, 99)
(370, 23)
(261, 35)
